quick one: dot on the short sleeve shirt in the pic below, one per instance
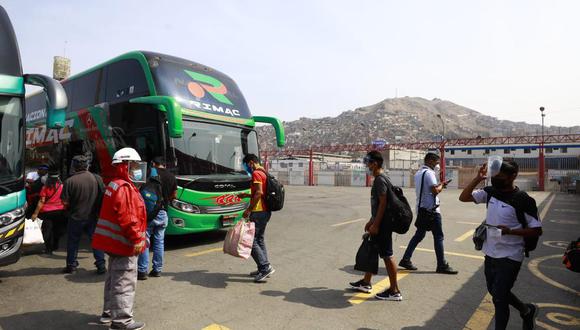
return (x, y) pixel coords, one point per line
(52, 198)
(428, 201)
(500, 213)
(380, 187)
(81, 191)
(258, 176)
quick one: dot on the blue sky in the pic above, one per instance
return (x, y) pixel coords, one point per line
(313, 58)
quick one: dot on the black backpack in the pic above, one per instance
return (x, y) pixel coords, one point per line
(152, 194)
(274, 193)
(522, 203)
(398, 209)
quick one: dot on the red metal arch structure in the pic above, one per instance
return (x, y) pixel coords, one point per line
(435, 145)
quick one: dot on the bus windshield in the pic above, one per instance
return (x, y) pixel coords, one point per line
(207, 149)
(11, 136)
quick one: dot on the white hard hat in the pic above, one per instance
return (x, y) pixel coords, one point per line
(126, 154)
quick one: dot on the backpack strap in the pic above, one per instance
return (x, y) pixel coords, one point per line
(421, 189)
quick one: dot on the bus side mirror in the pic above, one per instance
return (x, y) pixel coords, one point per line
(56, 99)
(171, 108)
(278, 128)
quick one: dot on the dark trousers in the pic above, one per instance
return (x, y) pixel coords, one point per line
(438, 237)
(259, 253)
(53, 227)
(75, 230)
(500, 276)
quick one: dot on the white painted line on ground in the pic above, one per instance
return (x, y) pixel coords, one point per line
(469, 223)
(347, 222)
(547, 207)
(465, 236)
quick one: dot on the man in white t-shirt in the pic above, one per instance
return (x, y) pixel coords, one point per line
(512, 215)
(427, 189)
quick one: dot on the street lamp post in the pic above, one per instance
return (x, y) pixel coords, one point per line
(442, 150)
(541, 160)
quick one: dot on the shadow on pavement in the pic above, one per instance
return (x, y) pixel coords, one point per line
(34, 271)
(53, 319)
(209, 280)
(177, 242)
(319, 297)
(382, 271)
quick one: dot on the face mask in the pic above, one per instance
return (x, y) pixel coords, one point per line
(43, 179)
(437, 168)
(248, 168)
(137, 175)
(499, 183)
(154, 172)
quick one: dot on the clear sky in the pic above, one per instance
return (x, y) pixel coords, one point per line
(309, 58)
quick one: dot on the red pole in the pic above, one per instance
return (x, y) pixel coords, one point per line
(541, 168)
(266, 167)
(442, 161)
(310, 170)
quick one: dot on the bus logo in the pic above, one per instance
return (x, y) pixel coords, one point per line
(204, 83)
(226, 200)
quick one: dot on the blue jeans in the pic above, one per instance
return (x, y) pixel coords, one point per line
(259, 253)
(75, 230)
(437, 231)
(155, 236)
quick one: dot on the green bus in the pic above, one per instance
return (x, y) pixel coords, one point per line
(190, 114)
(12, 91)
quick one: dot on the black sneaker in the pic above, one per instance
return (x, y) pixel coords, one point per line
(407, 264)
(142, 276)
(154, 273)
(529, 319)
(132, 326)
(446, 270)
(361, 286)
(388, 295)
(69, 270)
(261, 277)
(105, 318)
(256, 272)
(101, 270)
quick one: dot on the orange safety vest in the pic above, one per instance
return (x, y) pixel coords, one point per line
(123, 220)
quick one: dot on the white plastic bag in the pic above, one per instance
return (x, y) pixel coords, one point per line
(32, 232)
(493, 167)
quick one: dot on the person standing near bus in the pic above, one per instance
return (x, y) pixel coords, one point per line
(121, 233)
(81, 197)
(156, 227)
(51, 210)
(259, 214)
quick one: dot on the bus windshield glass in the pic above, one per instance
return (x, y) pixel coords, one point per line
(207, 149)
(11, 135)
(197, 87)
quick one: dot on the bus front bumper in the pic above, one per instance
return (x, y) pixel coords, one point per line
(10, 242)
(181, 223)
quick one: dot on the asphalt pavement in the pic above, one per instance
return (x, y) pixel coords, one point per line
(312, 244)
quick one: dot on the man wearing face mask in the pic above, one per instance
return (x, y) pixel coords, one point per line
(258, 212)
(81, 196)
(427, 189)
(512, 215)
(379, 229)
(121, 234)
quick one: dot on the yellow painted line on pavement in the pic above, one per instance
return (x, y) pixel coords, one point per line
(472, 256)
(465, 236)
(534, 269)
(469, 223)
(378, 287)
(216, 326)
(347, 222)
(483, 315)
(200, 253)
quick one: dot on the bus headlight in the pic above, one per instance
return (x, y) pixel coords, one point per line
(185, 207)
(9, 217)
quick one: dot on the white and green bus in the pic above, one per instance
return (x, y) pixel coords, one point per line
(12, 142)
(190, 114)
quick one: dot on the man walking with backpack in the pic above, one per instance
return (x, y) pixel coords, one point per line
(157, 193)
(379, 227)
(513, 228)
(428, 214)
(259, 213)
